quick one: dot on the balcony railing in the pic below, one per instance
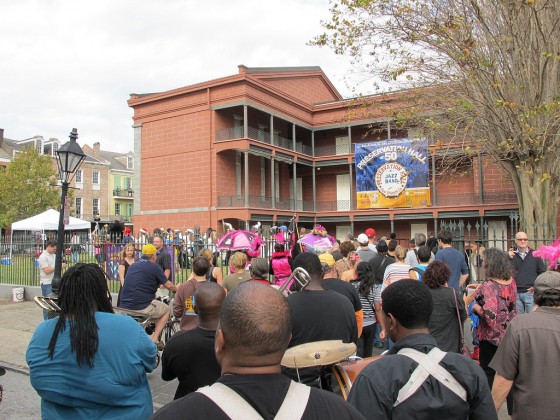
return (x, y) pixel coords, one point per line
(123, 193)
(104, 218)
(263, 137)
(262, 202)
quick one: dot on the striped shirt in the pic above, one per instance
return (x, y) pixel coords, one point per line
(395, 272)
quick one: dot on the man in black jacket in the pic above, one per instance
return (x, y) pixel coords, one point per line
(527, 268)
(447, 386)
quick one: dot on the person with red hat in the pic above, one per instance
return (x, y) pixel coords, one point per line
(127, 237)
(372, 239)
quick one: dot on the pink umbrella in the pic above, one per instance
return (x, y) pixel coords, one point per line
(239, 240)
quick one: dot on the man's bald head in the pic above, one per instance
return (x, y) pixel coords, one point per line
(208, 299)
(256, 322)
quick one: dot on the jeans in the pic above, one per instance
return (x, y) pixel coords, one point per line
(525, 302)
(376, 340)
(46, 290)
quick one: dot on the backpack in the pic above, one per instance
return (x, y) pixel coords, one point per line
(419, 271)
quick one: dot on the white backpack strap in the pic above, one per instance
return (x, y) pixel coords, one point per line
(428, 364)
(236, 408)
(294, 403)
(231, 403)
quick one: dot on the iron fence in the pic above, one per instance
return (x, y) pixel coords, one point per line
(20, 266)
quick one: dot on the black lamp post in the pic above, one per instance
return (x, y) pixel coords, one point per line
(69, 157)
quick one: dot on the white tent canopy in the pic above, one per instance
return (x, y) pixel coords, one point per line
(49, 221)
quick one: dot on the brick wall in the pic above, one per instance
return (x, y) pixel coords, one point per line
(308, 89)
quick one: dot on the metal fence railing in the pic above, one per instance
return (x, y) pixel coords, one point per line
(19, 257)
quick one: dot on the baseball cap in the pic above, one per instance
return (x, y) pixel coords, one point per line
(547, 280)
(143, 230)
(362, 238)
(327, 259)
(382, 246)
(370, 232)
(149, 249)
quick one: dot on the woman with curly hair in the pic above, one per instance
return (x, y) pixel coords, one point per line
(89, 362)
(343, 264)
(495, 306)
(444, 325)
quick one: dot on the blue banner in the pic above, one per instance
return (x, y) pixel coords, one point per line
(392, 173)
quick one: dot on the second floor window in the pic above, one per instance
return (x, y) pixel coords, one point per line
(95, 206)
(95, 177)
(79, 177)
(78, 206)
(117, 209)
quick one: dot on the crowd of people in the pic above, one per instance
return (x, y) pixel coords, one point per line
(236, 327)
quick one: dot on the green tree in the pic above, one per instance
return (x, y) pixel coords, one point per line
(486, 72)
(27, 187)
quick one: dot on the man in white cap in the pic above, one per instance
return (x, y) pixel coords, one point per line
(364, 251)
(527, 355)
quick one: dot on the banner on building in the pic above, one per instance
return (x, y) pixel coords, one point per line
(392, 173)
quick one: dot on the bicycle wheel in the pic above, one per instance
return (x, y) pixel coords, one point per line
(172, 326)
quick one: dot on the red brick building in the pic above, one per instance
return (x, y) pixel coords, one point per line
(266, 143)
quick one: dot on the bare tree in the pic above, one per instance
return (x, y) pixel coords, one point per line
(485, 71)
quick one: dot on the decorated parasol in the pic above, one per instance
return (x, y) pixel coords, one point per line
(318, 239)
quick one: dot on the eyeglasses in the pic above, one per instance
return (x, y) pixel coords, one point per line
(521, 239)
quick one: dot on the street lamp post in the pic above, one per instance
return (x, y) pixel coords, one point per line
(69, 157)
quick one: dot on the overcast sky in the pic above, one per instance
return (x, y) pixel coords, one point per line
(68, 63)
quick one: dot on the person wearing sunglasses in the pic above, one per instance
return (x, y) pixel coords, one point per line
(527, 267)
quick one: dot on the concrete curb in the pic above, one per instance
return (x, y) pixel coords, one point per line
(16, 369)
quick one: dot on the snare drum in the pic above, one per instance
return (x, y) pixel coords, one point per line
(345, 373)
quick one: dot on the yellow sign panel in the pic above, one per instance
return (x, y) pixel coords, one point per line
(417, 197)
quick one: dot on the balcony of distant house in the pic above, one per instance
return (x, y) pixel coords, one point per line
(103, 218)
(126, 193)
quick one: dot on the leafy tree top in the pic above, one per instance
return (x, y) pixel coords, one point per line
(28, 186)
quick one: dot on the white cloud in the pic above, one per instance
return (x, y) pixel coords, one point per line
(72, 64)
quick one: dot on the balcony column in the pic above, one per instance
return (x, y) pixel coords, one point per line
(435, 227)
(313, 143)
(351, 193)
(392, 225)
(245, 122)
(388, 130)
(272, 130)
(314, 188)
(480, 180)
(246, 153)
(294, 137)
(294, 207)
(272, 181)
(434, 195)
(349, 139)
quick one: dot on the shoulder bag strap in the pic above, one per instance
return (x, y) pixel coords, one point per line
(295, 402)
(428, 364)
(459, 318)
(230, 402)
(235, 406)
